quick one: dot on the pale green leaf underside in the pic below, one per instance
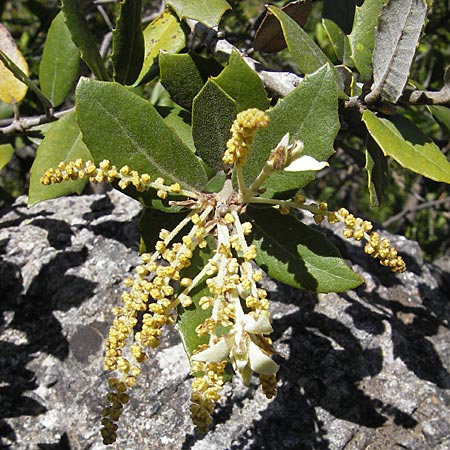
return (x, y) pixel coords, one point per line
(408, 147)
(62, 142)
(208, 12)
(126, 129)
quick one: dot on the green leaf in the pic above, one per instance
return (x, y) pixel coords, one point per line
(442, 115)
(213, 113)
(128, 42)
(403, 141)
(362, 37)
(62, 142)
(376, 167)
(309, 113)
(189, 318)
(208, 12)
(336, 36)
(150, 224)
(341, 13)
(398, 32)
(6, 153)
(162, 34)
(180, 121)
(82, 37)
(305, 52)
(181, 77)
(298, 255)
(126, 129)
(249, 92)
(60, 62)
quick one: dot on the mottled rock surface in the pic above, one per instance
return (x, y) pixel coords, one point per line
(364, 369)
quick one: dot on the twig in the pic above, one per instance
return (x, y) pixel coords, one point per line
(416, 97)
(406, 211)
(280, 83)
(25, 123)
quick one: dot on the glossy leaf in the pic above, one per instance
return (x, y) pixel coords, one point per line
(6, 153)
(180, 121)
(337, 38)
(126, 129)
(298, 255)
(208, 12)
(12, 90)
(82, 37)
(442, 115)
(162, 34)
(213, 113)
(362, 37)
(181, 77)
(128, 42)
(403, 141)
(308, 113)
(269, 36)
(376, 167)
(60, 61)
(398, 32)
(305, 52)
(249, 92)
(62, 142)
(340, 12)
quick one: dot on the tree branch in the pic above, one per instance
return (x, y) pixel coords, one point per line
(280, 83)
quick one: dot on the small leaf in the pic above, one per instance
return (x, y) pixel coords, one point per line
(403, 141)
(128, 42)
(297, 255)
(60, 61)
(162, 34)
(126, 129)
(305, 52)
(398, 32)
(150, 224)
(82, 37)
(208, 12)
(62, 142)
(213, 113)
(309, 114)
(269, 35)
(189, 318)
(12, 90)
(341, 13)
(6, 153)
(249, 92)
(181, 77)
(362, 37)
(376, 167)
(442, 115)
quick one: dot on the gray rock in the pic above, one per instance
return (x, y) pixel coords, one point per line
(364, 369)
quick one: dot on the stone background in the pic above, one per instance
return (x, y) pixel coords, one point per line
(368, 369)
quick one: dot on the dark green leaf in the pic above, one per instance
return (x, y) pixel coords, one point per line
(340, 12)
(126, 129)
(249, 92)
(60, 62)
(82, 37)
(305, 52)
(403, 141)
(181, 77)
(337, 38)
(62, 142)
(442, 115)
(295, 254)
(213, 113)
(150, 224)
(208, 12)
(128, 42)
(376, 167)
(308, 113)
(162, 34)
(398, 32)
(362, 37)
